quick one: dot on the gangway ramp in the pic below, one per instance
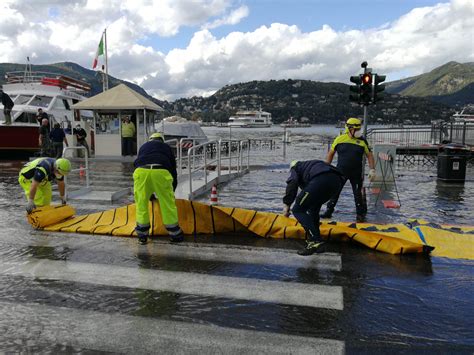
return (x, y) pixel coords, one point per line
(201, 184)
(202, 166)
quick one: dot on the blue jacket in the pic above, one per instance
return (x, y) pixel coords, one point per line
(302, 173)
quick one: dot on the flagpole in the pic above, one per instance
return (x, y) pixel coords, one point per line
(106, 62)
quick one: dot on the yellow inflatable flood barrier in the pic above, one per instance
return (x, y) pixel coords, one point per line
(198, 218)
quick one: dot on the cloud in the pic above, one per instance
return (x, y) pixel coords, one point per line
(52, 31)
(232, 19)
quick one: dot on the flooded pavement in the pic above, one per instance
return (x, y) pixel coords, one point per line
(73, 293)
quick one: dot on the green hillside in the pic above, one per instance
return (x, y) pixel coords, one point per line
(320, 102)
(451, 84)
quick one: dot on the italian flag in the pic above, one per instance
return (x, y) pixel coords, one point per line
(100, 51)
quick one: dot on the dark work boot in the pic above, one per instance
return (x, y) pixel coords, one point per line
(313, 247)
(178, 238)
(360, 218)
(142, 233)
(142, 239)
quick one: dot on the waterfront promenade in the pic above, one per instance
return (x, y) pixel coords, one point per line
(66, 292)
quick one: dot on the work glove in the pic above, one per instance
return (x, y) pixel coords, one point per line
(63, 200)
(286, 211)
(30, 206)
(372, 175)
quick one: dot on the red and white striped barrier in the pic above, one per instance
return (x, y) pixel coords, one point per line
(213, 201)
(82, 171)
(186, 145)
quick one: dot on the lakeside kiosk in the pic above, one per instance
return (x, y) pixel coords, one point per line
(109, 108)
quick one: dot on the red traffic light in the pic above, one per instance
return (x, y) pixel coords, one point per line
(367, 78)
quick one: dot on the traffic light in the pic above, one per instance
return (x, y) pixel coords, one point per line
(366, 88)
(378, 89)
(355, 89)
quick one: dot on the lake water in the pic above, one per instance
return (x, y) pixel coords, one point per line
(421, 195)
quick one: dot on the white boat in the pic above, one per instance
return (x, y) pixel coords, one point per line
(176, 127)
(53, 93)
(251, 119)
(292, 123)
(465, 115)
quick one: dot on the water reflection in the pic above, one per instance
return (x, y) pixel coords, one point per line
(450, 192)
(47, 252)
(152, 303)
(399, 299)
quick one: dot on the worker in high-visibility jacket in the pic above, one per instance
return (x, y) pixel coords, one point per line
(128, 134)
(351, 147)
(36, 176)
(155, 174)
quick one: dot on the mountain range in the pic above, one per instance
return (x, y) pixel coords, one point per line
(419, 99)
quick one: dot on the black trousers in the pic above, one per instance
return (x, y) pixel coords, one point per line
(127, 145)
(309, 201)
(58, 149)
(357, 184)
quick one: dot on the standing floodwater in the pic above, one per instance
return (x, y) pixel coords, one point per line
(87, 293)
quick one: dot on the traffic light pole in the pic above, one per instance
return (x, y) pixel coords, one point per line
(366, 115)
(364, 124)
(364, 132)
(366, 91)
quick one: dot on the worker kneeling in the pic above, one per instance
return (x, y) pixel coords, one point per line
(318, 182)
(155, 173)
(36, 176)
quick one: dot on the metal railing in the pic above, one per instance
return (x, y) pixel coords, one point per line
(215, 155)
(47, 78)
(180, 146)
(454, 132)
(436, 133)
(402, 137)
(80, 169)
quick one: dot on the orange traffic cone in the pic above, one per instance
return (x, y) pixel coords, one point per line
(82, 171)
(213, 195)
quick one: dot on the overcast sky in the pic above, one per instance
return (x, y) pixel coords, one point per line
(183, 48)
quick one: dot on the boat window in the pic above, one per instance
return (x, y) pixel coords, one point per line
(59, 104)
(41, 101)
(66, 104)
(22, 99)
(27, 117)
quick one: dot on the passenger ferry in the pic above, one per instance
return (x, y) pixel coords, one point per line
(465, 115)
(251, 119)
(53, 93)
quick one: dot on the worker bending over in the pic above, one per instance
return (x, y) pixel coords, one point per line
(155, 173)
(36, 176)
(318, 182)
(351, 147)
